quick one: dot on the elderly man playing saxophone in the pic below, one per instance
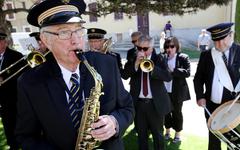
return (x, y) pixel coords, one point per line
(52, 95)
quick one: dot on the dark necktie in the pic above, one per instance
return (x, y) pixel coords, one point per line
(1, 59)
(74, 101)
(145, 85)
(225, 59)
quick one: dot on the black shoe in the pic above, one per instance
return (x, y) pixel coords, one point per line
(176, 140)
(167, 136)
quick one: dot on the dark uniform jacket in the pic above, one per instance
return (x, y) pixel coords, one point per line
(180, 90)
(44, 121)
(205, 71)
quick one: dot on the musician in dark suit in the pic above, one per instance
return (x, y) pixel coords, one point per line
(150, 97)
(8, 90)
(97, 43)
(52, 95)
(217, 77)
(42, 48)
(131, 53)
(179, 65)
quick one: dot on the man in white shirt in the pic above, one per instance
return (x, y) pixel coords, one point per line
(203, 41)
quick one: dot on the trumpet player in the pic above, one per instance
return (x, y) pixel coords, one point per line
(177, 88)
(150, 97)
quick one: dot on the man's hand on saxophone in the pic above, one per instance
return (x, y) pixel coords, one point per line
(104, 128)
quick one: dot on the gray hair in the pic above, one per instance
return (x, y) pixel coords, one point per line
(137, 33)
(146, 38)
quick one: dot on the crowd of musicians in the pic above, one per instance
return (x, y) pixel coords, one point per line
(42, 106)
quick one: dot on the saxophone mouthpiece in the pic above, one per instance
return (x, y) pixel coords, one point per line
(79, 54)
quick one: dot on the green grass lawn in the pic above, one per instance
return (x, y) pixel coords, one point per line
(189, 142)
(237, 23)
(192, 53)
(3, 144)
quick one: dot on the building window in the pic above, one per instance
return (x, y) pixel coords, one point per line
(92, 8)
(14, 29)
(10, 16)
(118, 15)
(119, 37)
(27, 29)
(24, 5)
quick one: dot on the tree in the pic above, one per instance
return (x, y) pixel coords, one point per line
(5, 25)
(130, 7)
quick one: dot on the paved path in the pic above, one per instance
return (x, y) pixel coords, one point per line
(194, 120)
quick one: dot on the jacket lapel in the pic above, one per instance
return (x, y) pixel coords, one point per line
(58, 95)
(232, 54)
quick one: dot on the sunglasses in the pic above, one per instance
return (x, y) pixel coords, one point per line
(134, 41)
(169, 46)
(142, 48)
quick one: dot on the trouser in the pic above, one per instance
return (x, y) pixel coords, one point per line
(9, 124)
(174, 119)
(148, 120)
(213, 142)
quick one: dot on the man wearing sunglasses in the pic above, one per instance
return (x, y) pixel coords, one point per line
(132, 52)
(150, 97)
(217, 77)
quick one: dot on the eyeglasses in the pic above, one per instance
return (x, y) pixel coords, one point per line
(67, 34)
(2, 38)
(142, 48)
(169, 46)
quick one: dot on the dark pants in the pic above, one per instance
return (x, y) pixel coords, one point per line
(174, 119)
(148, 120)
(213, 142)
(9, 123)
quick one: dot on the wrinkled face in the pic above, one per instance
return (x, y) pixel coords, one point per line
(145, 47)
(96, 44)
(228, 40)
(3, 45)
(62, 47)
(225, 43)
(170, 49)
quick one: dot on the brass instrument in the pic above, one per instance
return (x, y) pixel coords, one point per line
(146, 65)
(91, 109)
(106, 45)
(34, 58)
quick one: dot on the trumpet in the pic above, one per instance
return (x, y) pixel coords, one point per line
(146, 65)
(34, 59)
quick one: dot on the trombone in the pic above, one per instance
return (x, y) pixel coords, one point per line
(34, 59)
(106, 45)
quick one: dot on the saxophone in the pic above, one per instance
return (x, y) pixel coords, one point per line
(91, 109)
